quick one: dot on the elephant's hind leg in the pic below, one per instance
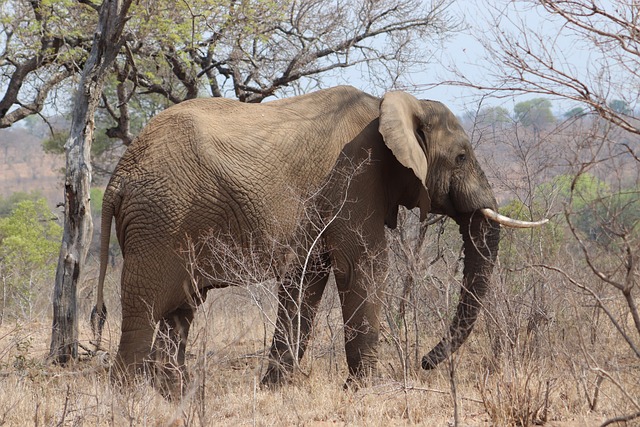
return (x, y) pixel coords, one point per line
(133, 351)
(156, 352)
(169, 351)
(137, 321)
(148, 293)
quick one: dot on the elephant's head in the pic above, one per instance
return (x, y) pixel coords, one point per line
(426, 137)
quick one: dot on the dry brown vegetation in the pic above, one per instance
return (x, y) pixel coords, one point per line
(553, 360)
(227, 355)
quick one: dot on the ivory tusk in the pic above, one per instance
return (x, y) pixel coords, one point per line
(510, 222)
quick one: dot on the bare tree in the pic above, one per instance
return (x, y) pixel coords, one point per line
(600, 222)
(78, 225)
(524, 57)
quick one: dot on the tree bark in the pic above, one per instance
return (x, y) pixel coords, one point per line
(78, 225)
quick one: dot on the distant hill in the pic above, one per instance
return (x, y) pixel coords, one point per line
(24, 166)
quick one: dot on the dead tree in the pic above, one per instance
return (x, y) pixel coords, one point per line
(77, 215)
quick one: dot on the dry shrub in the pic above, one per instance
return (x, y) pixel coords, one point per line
(546, 353)
(517, 394)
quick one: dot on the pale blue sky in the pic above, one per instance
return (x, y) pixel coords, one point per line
(467, 54)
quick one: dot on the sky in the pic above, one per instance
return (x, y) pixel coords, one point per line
(464, 52)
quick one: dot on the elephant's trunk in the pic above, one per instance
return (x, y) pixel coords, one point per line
(481, 237)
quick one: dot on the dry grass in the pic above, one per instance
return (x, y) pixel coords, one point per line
(227, 394)
(555, 386)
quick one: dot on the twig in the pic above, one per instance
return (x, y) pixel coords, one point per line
(433, 390)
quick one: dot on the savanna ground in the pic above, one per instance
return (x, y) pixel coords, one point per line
(541, 353)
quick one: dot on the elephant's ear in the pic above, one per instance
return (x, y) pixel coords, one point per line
(399, 121)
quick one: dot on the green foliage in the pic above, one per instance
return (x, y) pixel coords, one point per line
(7, 205)
(596, 211)
(29, 245)
(574, 113)
(600, 214)
(545, 241)
(180, 28)
(96, 201)
(57, 18)
(141, 110)
(610, 216)
(580, 191)
(30, 236)
(55, 143)
(535, 113)
(621, 107)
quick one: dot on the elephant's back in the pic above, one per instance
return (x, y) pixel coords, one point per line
(180, 178)
(243, 169)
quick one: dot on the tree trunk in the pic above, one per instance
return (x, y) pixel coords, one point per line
(78, 225)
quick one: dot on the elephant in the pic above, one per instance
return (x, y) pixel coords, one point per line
(319, 174)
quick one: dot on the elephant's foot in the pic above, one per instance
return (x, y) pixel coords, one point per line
(362, 372)
(276, 376)
(171, 381)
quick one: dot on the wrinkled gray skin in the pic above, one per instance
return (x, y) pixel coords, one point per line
(340, 158)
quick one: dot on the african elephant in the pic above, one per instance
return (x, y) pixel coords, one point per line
(322, 174)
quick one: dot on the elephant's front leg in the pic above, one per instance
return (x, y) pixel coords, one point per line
(359, 280)
(297, 305)
(361, 314)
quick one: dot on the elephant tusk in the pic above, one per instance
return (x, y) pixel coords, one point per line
(510, 222)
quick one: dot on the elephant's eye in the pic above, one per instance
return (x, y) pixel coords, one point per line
(461, 158)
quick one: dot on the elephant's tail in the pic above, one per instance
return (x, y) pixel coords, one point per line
(99, 312)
